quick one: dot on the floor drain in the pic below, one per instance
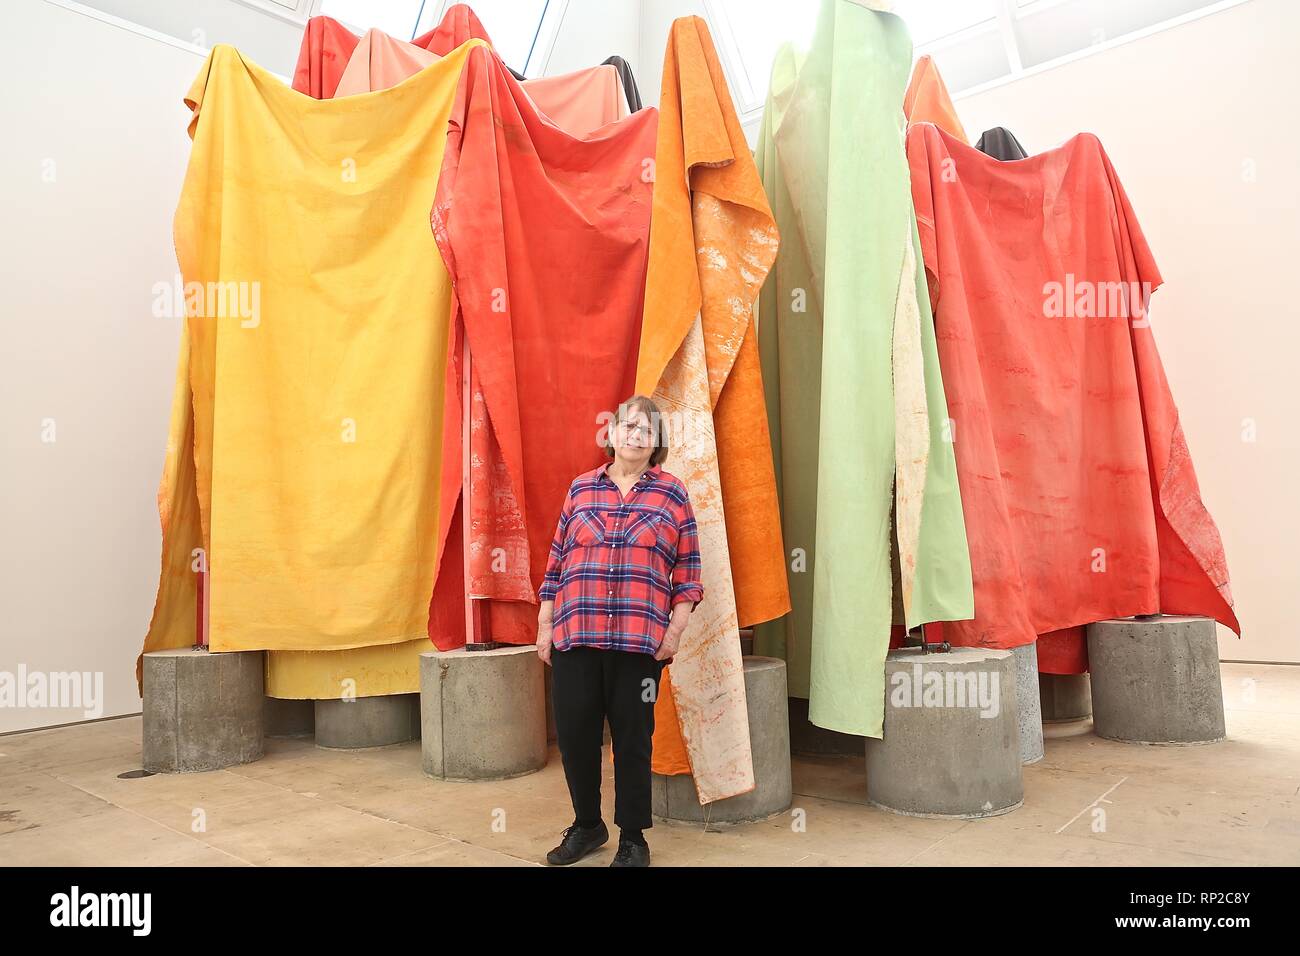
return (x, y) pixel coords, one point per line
(134, 774)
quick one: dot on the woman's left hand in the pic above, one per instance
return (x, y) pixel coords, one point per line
(668, 646)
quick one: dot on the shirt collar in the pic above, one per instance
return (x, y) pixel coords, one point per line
(648, 476)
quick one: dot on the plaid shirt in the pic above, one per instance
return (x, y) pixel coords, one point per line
(618, 566)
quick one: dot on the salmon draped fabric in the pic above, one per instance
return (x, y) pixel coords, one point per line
(578, 102)
(544, 235)
(927, 100)
(712, 242)
(869, 497)
(305, 442)
(1080, 498)
(581, 101)
(379, 62)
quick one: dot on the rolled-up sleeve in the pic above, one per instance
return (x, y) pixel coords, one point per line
(687, 572)
(551, 580)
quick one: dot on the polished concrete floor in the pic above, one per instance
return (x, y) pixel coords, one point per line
(1089, 801)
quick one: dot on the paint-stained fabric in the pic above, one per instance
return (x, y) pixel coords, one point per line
(306, 431)
(855, 395)
(927, 100)
(544, 235)
(1080, 498)
(712, 242)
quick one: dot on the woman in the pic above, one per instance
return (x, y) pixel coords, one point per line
(624, 571)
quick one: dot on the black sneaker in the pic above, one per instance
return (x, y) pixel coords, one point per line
(578, 843)
(631, 854)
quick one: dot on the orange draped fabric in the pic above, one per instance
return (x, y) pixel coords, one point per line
(544, 235)
(702, 152)
(1080, 499)
(927, 100)
(712, 242)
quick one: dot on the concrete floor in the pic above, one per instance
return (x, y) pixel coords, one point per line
(1237, 802)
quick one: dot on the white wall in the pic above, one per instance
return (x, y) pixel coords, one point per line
(656, 20)
(270, 41)
(594, 30)
(95, 150)
(1200, 123)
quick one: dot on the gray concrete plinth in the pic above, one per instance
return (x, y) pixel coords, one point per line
(951, 744)
(482, 713)
(674, 797)
(202, 711)
(1029, 714)
(289, 718)
(1156, 681)
(1064, 697)
(361, 722)
(807, 739)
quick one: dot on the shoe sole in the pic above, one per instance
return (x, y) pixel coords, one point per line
(576, 859)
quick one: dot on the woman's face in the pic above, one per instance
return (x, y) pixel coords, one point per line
(634, 439)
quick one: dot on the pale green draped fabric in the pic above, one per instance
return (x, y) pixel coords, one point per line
(855, 399)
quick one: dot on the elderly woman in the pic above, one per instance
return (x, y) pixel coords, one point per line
(623, 577)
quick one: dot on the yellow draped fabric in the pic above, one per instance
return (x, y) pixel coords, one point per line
(306, 471)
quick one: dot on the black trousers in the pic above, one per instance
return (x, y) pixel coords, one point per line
(589, 685)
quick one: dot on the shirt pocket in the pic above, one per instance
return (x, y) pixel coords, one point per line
(655, 530)
(587, 527)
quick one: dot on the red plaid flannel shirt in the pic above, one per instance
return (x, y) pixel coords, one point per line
(618, 566)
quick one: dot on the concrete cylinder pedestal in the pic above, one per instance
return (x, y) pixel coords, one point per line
(1064, 697)
(1156, 680)
(289, 718)
(674, 797)
(1066, 702)
(202, 711)
(951, 744)
(1029, 714)
(359, 723)
(482, 713)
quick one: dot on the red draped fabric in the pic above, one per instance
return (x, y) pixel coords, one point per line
(1080, 498)
(545, 237)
